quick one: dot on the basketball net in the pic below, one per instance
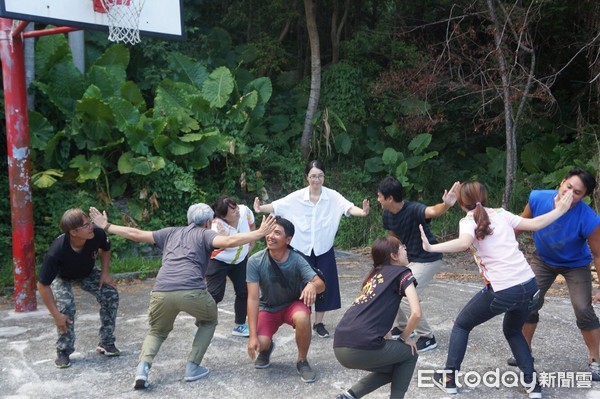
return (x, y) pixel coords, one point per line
(123, 19)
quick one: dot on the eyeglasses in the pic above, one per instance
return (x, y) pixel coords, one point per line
(86, 225)
(316, 177)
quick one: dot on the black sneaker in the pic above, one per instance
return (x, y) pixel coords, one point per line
(511, 361)
(62, 360)
(595, 370)
(263, 360)
(536, 392)
(320, 330)
(445, 382)
(306, 372)
(425, 344)
(108, 350)
(396, 332)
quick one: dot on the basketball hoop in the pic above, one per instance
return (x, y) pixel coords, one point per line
(123, 19)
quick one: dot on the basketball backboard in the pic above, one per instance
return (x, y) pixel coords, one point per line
(163, 19)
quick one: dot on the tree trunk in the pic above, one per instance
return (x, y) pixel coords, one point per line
(510, 127)
(336, 31)
(315, 77)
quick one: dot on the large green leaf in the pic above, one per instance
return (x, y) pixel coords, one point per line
(240, 111)
(89, 169)
(419, 143)
(95, 109)
(389, 156)
(125, 114)
(132, 93)
(129, 163)
(115, 55)
(64, 85)
(374, 165)
(100, 77)
(179, 148)
(40, 130)
(417, 160)
(187, 70)
(193, 137)
(46, 178)
(173, 100)
(49, 51)
(343, 143)
(263, 86)
(218, 87)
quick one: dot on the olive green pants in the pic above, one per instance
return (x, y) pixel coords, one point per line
(164, 308)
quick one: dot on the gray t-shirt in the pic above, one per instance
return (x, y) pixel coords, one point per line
(275, 295)
(186, 251)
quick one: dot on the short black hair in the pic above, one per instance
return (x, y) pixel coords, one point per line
(588, 180)
(288, 227)
(315, 163)
(222, 205)
(390, 186)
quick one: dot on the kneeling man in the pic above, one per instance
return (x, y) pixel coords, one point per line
(288, 287)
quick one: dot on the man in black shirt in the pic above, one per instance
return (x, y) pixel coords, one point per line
(402, 219)
(71, 260)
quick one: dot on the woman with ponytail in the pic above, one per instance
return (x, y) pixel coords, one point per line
(510, 285)
(360, 337)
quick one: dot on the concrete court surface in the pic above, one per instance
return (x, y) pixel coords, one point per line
(27, 341)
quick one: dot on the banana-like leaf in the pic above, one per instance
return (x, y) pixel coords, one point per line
(46, 178)
(49, 51)
(132, 93)
(217, 88)
(187, 70)
(40, 130)
(129, 163)
(115, 55)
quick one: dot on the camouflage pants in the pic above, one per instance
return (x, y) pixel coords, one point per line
(107, 297)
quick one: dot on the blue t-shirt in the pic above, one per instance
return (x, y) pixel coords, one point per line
(274, 294)
(405, 225)
(564, 242)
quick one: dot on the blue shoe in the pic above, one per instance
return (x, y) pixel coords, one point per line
(141, 375)
(194, 372)
(241, 330)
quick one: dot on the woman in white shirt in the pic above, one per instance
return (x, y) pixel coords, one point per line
(231, 218)
(510, 285)
(316, 212)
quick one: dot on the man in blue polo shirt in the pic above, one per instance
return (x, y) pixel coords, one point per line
(566, 248)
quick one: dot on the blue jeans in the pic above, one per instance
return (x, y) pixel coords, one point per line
(516, 302)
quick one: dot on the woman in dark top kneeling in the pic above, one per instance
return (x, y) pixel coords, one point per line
(360, 340)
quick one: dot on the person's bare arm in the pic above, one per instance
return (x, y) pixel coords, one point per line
(310, 291)
(131, 233)
(561, 206)
(414, 318)
(266, 227)
(594, 243)
(448, 201)
(459, 244)
(356, 211)
(266, 208)
(252, 307)
(105, 277)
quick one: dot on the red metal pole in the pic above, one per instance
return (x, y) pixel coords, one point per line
(17, 143)
(47, 32)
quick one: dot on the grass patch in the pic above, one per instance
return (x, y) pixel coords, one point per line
(146, 266)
